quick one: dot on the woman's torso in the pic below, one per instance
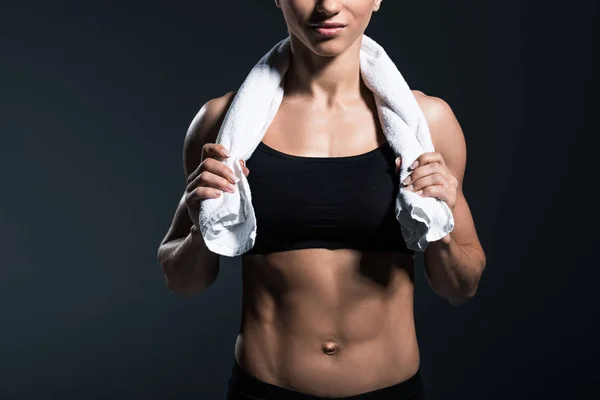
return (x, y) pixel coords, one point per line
(328, 321)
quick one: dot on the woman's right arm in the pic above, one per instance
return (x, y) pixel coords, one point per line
(187, 264)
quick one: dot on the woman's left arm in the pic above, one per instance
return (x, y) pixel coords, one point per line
(455, 263)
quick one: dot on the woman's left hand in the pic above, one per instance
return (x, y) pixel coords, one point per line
(431, 178)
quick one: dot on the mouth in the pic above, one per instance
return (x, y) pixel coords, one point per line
(327, 28)
(327, 25)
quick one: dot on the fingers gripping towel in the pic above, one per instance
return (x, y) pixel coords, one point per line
(228, 223)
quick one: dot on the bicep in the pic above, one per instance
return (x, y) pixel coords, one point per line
(203, 129)
(449, 140)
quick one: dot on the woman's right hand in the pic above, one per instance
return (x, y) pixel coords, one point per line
(210, 179)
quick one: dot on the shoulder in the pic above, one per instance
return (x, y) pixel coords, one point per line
(437, 111)
(204, 128)
(441, 119)
(446, 133)
(206, 123)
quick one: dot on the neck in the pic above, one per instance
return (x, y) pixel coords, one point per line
(324, 78)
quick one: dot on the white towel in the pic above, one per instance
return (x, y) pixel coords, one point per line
(228, 223)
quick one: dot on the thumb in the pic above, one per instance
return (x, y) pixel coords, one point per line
(398, 164)
(244, 169)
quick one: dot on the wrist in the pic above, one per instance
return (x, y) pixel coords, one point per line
(195, 237)
(446, 239)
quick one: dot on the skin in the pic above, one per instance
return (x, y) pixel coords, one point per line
(328, 322)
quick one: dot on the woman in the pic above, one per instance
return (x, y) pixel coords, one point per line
(328, 288)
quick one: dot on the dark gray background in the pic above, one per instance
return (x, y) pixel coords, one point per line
(96, 99)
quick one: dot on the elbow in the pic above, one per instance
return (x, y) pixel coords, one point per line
(187, 285)
(461, 297)
(455, 295)
(183, 290)
(172, 275)
(467, 289)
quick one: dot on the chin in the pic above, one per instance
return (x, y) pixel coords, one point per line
(329, 48)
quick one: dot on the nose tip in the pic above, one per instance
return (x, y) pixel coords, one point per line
(329, 7)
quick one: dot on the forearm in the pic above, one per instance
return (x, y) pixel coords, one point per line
(188, 265)
(454, 270)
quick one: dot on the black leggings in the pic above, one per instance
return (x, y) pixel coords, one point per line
(243, 386)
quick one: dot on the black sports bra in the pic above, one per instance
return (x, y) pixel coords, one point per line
(318, 202)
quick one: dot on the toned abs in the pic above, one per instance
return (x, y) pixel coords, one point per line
(328, 321)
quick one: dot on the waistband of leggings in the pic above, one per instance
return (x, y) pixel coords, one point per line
(242, 382)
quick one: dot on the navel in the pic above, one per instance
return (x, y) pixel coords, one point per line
(330, 348)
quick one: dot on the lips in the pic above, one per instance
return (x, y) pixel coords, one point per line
(327, 29)
(327, 25)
